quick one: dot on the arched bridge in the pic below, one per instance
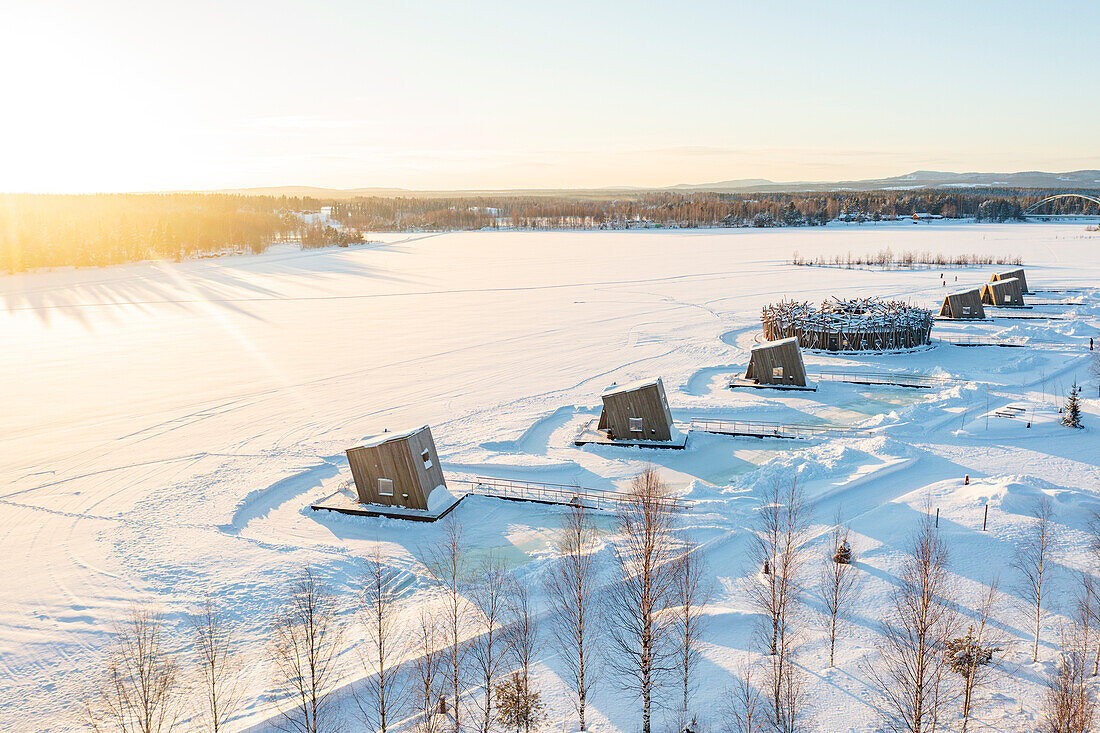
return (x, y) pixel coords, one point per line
(1032, 210)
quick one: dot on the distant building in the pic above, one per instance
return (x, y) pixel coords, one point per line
(963, 305)
(397, 469)
(1003, 293)
(777, 362)
(1018, 274)
(637, 411)
(925, 216)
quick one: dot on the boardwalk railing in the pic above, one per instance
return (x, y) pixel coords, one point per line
(546, 493)
(985, 341)
(902, 380)
(761, 429)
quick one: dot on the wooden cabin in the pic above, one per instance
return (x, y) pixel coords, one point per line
(963, 305)
(777, 362)
(637, 411)
(1018, 274)
(1005, 293)
(397, 469)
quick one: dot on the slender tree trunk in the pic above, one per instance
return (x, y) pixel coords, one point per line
(1038, 621)
(832, 639)
(967, 689)
(647, 671)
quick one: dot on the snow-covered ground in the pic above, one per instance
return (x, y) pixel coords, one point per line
(165, 427)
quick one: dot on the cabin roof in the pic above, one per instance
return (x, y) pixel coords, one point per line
(771, 344)
(377, 440)
(968, 291)
(631, 386)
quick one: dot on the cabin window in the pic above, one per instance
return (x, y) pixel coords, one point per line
(777, 372)
(1008, 297)
(635, 424)
(966, 310)
(385, 487)
(426, 456)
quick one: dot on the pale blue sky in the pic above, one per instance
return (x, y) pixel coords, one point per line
(118, 95)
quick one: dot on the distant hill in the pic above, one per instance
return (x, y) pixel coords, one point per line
(1084, 179)
(1075, 180)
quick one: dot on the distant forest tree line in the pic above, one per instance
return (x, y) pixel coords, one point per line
(38, 231)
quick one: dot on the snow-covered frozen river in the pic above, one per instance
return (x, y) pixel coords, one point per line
(166, 425)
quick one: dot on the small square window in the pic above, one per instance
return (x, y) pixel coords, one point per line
(385, 487)
(966, 310)
(777, 372)
(426, 456)
(1008, 297)
(636, 425)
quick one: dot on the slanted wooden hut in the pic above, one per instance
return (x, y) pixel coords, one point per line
(1018, 274)
(777, 362)
(963, 305)
(1004, 293)
(637, 411)
(397, 469)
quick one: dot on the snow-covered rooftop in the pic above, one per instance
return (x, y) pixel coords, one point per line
(967, 291)
(778, 342)
(631, 386)
(386, 437)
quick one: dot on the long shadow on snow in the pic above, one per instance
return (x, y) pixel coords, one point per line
(260, 502)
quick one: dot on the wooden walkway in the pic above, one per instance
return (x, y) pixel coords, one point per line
(985, 341)
(547, 493)
(761, 429)
(925, 381)
(498, 488)
(378, 510)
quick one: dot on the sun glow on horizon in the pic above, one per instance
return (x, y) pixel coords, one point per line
(123, 97)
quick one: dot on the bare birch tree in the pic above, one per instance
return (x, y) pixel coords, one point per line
(777, 551)
(1090, 586)
(571, 591)
(525, 640)
(838, 582)
(1070, 703)
(691, 595)
(219, 666)
(448, 563)
(385, 693)
(490, 593)
(746, 706)
(141, 684)
(428, 675)
(1032, 565)
(910, 671)
(305, 653)
(1088, 614)
(786, 687)
(978, 656)
(640, 626)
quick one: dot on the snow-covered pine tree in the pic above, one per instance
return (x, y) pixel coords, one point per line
(519, 707)
(1071, 413)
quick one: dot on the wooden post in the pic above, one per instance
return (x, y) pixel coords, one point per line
(985, 519)
(937, 516)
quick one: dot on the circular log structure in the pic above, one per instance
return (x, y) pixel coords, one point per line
(862, 324)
